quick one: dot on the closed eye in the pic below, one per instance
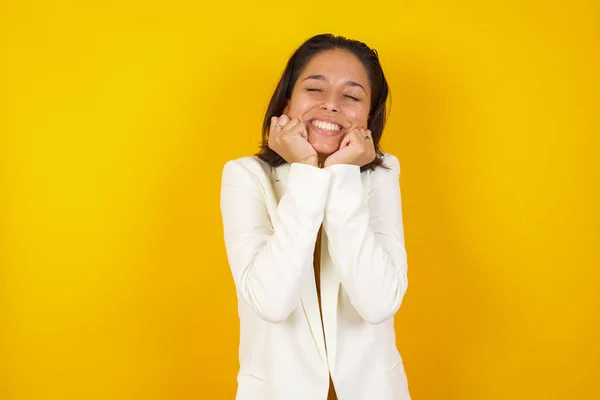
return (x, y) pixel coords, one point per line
(352, 97)
(313, 90)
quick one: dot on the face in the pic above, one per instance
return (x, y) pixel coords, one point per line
(331, 97)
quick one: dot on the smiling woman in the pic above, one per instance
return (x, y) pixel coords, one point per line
(334, 80)
(314, 235)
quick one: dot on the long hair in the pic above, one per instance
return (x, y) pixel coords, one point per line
(294, 68)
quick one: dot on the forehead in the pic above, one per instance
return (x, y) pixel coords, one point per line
(337, 66)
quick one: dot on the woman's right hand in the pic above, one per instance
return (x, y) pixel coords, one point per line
(289, 138)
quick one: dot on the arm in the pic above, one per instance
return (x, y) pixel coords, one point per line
(270, 261)
(366, 241)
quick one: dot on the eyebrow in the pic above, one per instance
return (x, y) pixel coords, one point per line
(322, 78)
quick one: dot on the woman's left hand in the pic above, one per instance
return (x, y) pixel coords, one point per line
(356, 148)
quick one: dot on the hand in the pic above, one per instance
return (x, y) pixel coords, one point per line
(357, 148)
(289, 139)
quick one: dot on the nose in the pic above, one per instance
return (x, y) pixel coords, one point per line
(330, 103)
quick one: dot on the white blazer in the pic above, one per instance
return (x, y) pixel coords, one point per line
(271, 217)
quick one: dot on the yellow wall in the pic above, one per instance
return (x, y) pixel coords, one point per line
(117, 116)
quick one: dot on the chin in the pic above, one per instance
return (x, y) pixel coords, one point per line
(326, 149)
(325, 152)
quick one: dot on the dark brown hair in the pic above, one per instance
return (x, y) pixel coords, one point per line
(295, 67)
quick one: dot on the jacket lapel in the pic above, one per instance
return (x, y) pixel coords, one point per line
(330, 285)
(310, 306)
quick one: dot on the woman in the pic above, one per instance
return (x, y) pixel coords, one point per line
(314, 235)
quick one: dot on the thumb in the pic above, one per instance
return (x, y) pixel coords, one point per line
(304, 132)
(346, 141)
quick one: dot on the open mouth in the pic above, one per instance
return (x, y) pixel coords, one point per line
(326, 126)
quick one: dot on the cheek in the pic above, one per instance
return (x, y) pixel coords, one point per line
(298, 106)
(359, 117)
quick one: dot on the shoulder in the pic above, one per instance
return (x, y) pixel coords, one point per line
(249, 164)
(391, 165)
(391, 161)
(386, 173)
(240, 169)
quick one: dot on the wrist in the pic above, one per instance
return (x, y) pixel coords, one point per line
(309, 160)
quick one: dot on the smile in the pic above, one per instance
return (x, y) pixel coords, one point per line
(328, 126)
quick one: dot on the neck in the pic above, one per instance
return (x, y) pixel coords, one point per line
(322, 158)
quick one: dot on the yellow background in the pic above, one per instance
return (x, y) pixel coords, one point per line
(116, 118)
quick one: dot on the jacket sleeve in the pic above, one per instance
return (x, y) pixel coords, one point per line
(366, 239)
(271, 259)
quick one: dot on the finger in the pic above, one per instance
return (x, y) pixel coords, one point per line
(301, 129)
(346, 140)
(304, 132)
(278, 123)
(292, 126)
(274, 122)
(283, 120)
(355, 135)
(363, 135)
(297, 127)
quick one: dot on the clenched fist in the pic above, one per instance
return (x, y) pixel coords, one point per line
(289, 138)
(356, 148)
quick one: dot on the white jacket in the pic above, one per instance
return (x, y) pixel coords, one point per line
(271, 217)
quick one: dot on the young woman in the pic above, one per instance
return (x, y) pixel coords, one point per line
(314, 235)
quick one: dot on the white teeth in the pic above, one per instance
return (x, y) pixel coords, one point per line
(326, 125)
